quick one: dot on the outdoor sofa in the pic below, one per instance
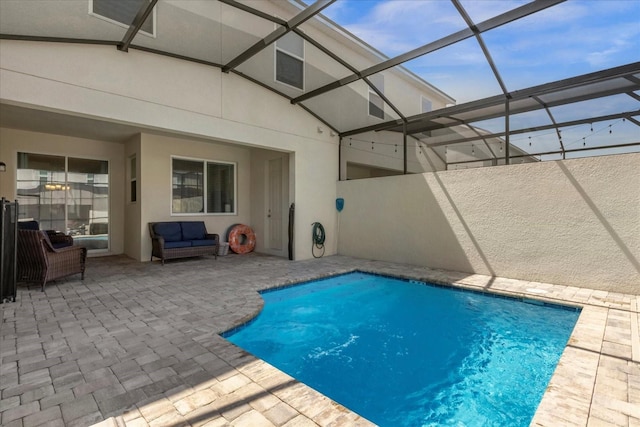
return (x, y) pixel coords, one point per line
(182, 239)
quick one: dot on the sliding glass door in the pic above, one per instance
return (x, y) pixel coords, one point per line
(66, 194)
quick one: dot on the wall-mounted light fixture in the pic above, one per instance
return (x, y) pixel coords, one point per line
(56, 187)
(3, 167)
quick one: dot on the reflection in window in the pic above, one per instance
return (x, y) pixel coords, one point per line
(190, 194)
(70, 195)
(42, 190)
(188, 186)
(376, 103)
(121, 11)
(220, 187)
(425, 104)
(88, 202)
(290, 60)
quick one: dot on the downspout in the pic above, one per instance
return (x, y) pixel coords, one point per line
(340, 158)
(507, 132)
(404, 144)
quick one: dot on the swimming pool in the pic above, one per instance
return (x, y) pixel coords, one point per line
(404, 353)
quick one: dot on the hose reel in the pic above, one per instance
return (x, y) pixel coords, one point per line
(318, 237)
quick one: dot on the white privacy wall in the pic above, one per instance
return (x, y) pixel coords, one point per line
(572, 222)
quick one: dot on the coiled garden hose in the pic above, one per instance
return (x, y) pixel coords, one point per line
(318, 236)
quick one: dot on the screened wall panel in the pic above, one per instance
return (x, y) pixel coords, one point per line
(443, 68)
(190, 29)
(373, 154)
(348, 107)
(551, 44)
(356, 55)
(400, 25)
(318, 69)
(279, 9)
(423, 57)
(57, 18)
(240, 30)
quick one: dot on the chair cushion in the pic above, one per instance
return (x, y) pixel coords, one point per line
(169, 230)
(28, 225)
(180, 244)
(203, 242)
(193, 230)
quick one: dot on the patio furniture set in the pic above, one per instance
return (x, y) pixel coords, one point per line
(46, 255)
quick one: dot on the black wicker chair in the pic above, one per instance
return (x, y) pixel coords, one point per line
(40, 262)
(58, 239)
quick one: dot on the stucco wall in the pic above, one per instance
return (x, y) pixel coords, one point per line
(184, 99)
(156, 189)
(13, 141)
(573, 222)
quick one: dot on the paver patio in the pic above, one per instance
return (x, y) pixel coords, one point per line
(137, 344)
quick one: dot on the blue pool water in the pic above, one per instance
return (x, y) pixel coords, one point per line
(404, 353)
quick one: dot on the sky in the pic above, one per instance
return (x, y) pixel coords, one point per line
(573, 38)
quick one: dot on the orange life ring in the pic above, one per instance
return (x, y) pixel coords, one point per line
(242, 239)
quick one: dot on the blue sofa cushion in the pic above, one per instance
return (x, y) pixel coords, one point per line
(203, 242)
(180, 244)
(193, 230)
(169, 230)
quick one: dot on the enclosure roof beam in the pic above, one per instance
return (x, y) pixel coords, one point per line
(497, 21)
(477, 110)
(254, 12)
(348, 66)
(483, 46)
(141, 17)
(278, 33)
(626, 115)
(553, 120)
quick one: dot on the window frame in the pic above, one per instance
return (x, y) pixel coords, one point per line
(67, 186)
(205, 162)
(294, 56)
(122, 24)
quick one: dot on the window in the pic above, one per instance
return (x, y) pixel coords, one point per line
(66, 194)
(200, 184)
(122, 12)
(426, 106)
(376, 103)
(290, 60)
(133, 180)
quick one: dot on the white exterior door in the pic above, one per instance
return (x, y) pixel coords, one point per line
(275, 224)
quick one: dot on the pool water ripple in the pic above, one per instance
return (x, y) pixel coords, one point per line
(404, 353)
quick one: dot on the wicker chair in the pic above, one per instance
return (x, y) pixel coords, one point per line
(39, 261)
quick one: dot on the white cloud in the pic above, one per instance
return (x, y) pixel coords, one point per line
(572, 38)
(397, 26)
